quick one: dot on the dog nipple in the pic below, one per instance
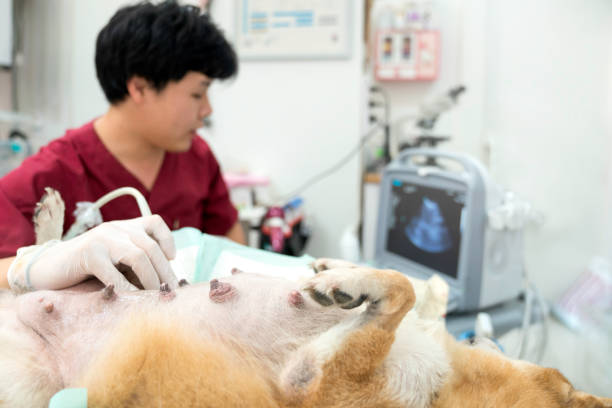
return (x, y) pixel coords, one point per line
(165, 293)
(296, 299)
(108, 293)
(49, 307)
(221, 291)
(236, 271)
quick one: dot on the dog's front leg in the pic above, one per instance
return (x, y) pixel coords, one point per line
(341, 366)
(49, 217)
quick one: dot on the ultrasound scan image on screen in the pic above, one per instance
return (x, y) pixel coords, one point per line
(425, 225)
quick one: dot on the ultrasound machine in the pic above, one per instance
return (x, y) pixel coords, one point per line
(434, 219)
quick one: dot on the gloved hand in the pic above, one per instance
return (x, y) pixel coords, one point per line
(144, 244)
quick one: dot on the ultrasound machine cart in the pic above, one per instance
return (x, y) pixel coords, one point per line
(433, 220)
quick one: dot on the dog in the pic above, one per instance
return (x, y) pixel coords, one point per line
(347, 337)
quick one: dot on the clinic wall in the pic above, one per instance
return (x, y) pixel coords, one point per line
(56, 76)
(461, 25)
(5, 94)
(42, 66)
(547, 92)
(290, 120)
(608, 115)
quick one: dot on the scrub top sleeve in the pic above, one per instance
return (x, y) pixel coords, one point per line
(15, 229)
(219, 212)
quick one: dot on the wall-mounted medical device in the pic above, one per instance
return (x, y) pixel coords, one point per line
(434, 219)
(407, 55)
(406, 46)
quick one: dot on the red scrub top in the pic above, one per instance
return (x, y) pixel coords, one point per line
(188, 192)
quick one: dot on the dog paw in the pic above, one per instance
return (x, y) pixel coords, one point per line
(341, 287)
(49, 216)
(385, 291)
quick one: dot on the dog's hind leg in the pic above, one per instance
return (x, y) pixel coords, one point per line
(49, 217)
(342, 366)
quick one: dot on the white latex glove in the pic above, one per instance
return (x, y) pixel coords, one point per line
(144, 244)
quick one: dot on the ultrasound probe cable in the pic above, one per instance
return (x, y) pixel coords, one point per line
(88, 217)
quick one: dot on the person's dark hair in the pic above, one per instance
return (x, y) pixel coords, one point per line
(161, 43)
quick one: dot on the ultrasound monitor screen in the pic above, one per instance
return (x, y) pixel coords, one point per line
(425, 225)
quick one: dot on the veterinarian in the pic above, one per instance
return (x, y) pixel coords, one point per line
(155, 64)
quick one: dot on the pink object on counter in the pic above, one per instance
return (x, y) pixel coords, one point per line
(244, 180)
